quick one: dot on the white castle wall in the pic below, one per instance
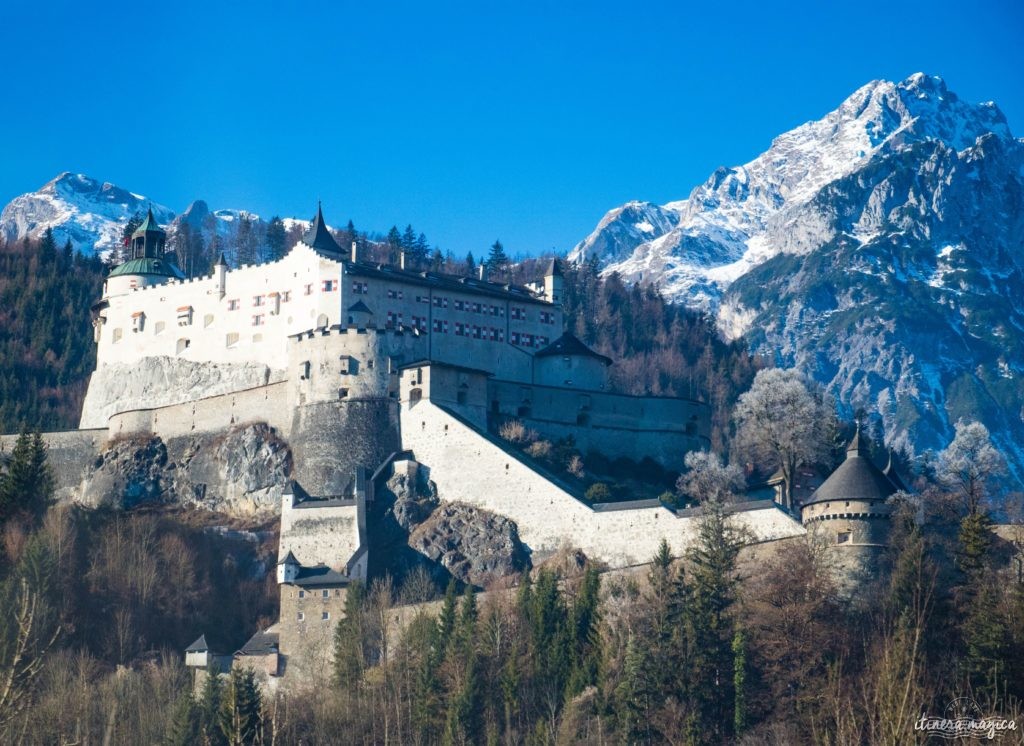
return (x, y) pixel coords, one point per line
(470, 467)
(249, 322)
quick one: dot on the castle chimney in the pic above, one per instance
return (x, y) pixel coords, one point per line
(481, 272)
(401, 259)
(355, 252)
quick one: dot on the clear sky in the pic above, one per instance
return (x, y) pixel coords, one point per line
(519, 120)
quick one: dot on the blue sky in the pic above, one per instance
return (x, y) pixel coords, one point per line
(524, 121)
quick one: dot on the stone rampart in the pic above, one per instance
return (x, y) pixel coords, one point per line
(263, 404)
(472, 467)
(615, 425)
(69, 454)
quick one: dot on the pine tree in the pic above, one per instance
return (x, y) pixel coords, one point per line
(276, 239)
(739, 681)
(421, 249)
(470, 264)
(349, 658)
(394, 244)
(208, 706)
(185, 727)
(240, 708)
(497, 259)
(27, 487)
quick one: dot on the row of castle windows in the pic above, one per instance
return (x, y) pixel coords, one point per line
(324, 616)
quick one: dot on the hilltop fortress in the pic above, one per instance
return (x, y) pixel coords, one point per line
(315, 379)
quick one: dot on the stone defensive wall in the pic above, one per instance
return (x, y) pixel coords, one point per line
(264, 404)
(68, 453)
(473, 467)
(616, 425)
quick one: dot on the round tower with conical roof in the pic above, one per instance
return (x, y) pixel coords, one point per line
(850, 511)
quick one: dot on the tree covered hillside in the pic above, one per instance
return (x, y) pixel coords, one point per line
(46, 347)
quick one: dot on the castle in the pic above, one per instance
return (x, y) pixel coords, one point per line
(368, 370)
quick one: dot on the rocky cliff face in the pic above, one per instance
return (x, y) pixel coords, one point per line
(241, 472)
(879, 249)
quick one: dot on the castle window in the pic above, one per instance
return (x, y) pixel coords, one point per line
(460, 305)
(117, 335)
(325, 615)
(542, 341)
(440, 326)
(419, 322)
(342, 393)
(207, 320)
(185, 316)
(476, 308)
(306, 368)
(415, 395)
(360, 288)
(330, 286)
(234, 304)
(519, 314)
(392, 319)
(547, 317)
(441, 302)
(302, 594)
(514, 338)
(308, 290)
(301, 616)
(159, 328)
(462, 395)
(460, 329)
(422, 299)
(183, 344)
(231, 340)
(321, 321)
(477, 332)
(275, 303)
(257, 300)
(395, 294)
(842, 537)
(138, 321)
(324, 593)
(257, 320)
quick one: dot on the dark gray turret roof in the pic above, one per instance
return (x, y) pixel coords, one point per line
(855, 479)
(359, 307)
(199, 646)
(289, 559)
(568, 344)
(319, 237)
(554, 268)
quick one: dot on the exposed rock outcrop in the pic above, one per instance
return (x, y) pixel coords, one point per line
(127, 473)
(241, 472)
(474, 545)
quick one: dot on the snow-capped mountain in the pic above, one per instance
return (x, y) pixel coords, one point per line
(90, 213)
(880, 248)
(93, 214)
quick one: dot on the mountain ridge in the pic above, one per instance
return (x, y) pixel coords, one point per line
(878, 249)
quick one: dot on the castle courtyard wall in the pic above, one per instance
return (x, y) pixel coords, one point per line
(469, 466)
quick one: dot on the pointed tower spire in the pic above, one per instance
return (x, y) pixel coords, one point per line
(318, 236)
(857, 446)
